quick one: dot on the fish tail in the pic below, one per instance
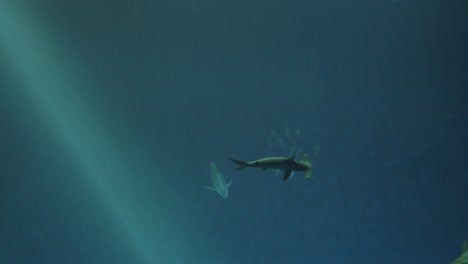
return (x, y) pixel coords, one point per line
(240, 164)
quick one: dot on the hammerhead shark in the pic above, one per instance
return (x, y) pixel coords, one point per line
(288, 165)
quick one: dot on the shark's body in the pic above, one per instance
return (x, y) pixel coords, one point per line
(218, 181)
(288, 165)
(463, 258)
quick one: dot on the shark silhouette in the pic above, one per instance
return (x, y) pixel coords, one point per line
(219, 183)
(288, 165)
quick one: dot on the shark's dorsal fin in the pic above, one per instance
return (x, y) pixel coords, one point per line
(465, 246)
(290, 158)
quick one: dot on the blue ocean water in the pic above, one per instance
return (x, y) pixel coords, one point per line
(110, 114)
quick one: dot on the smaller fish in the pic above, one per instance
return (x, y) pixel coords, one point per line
(219, 183)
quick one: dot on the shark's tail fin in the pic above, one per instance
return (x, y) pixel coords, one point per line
(305, 160)
(241, 164)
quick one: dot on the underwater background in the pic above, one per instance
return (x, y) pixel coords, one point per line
(111, 112)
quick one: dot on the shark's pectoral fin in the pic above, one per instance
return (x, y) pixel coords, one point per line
(308, 174)
(286, 175)
(211, 188)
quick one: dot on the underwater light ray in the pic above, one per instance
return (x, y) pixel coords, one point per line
(30, 53)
